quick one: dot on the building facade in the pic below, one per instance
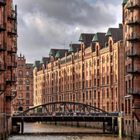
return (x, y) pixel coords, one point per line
(103, 70)
(24, 98)
(8, 49)
(131, 29)
(89, 72)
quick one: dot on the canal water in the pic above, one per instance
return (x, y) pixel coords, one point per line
(39, 131)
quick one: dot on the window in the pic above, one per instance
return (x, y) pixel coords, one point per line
(90, 94)
(103, 60)
(83, 97)
(94, 94)
(103, 93)
(98, 82)
(27, 95)
(27, 88)
(86, 95)
(27, 82)
(27, 73)
(99, 95)
(20, 73)
(98, 62)
(107, 106)
(107, 79)
(27, 102)
(20, 82)
(94, 81)
(111, 58)
(107, 91)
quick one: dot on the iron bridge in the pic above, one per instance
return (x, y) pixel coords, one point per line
(65, 112)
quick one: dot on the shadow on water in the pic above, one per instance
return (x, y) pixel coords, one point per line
(43, 131)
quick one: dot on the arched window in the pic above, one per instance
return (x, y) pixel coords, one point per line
(27, 73)
(20, 73)
(103, 59)
(20, 82)
(27, 82)
(110, 44)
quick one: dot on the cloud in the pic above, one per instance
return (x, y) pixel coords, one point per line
(46, 24)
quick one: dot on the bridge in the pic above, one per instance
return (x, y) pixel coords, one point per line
(66, 112)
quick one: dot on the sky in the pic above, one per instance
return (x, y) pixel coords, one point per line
(46, 24)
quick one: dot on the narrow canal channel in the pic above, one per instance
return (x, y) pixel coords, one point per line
(42, 131)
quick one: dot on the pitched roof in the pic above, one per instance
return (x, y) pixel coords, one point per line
(29, 65)
(37, 64)
(124, 2)
(45, 60)
(53, 52)
(61, 53)
(86, 38)
(74, 47)
(116, 33)
(101, 38)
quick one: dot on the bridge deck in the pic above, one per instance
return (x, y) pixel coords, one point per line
(63, 118)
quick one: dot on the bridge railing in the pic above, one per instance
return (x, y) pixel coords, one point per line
(65, 109)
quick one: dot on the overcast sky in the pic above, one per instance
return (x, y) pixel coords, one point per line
(45, 24)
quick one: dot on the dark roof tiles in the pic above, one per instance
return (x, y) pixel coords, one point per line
(86, 38)
(116, 33)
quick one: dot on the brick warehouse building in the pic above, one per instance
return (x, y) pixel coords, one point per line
(131, 22)
(8, 49)
(103, 70)
(24, 98)
(88, 72)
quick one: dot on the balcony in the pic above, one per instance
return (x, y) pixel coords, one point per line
(12, 49)
(2, 2)
(12, 32)
(12, 15)
(9, 65)
(8, 80)
(133, 38)
(135, 71)
(2, 87)
(2, 67)
(10, 95)
(2, 28)
(136, 107)
(2, 47)
(133, 22)
(11, 79)
(14, 64)
(133, 55)
(133, 92)
(131, 6)
(14, 79)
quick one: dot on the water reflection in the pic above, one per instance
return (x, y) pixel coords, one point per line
(63, 138)
(38, 127)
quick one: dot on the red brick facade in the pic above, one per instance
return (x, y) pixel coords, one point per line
(88, 72)
(24, 98)
(131, 24)
(8, 49)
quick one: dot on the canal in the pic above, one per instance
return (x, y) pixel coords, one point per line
(43, 131)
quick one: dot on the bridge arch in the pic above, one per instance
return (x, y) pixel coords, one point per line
(65, 104)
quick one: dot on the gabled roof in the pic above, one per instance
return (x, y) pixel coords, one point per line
(29, 66)
(54, 51)
(116, 33)
(60, 53)
(45, 60)
(37, 64)
(100, 38)
(124, 2)
(74, 47)
(86, 38)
